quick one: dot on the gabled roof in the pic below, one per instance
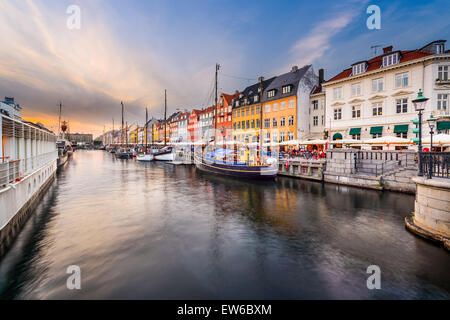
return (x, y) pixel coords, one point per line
(316, 90)
(250, 92)
(229, 97)
(376, 62)
(291, 78)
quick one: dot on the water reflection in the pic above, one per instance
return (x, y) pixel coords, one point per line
(159, 231)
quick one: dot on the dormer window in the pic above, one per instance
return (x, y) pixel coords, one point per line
(390, 60)
(271, 94)
(359, 68)
(245, 101)
(237, 103)
(256, 98)
(439, 48)
(287, 89)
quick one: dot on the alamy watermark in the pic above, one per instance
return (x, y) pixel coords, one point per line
(374, 20)
(74, 19)
(74, 280)
(374, 280)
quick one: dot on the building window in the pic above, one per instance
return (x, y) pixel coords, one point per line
(315, 121)
(377, 109)
(377, 85)
(337, 93)
(403, 135)
(286, 89)
(401, 80)
(442, 101)
(291, 104)
(243, 125)
(359, 68)
(443, 73)
(376, 135)
(356, 89)
(248, 124)
(257, 123)
(274, 122)
(271, 94)
(275, 137)
(256, 98)
(390, 60)
(439, 48)
(238, 125)
(291, 120)
(290, 135)
(356, 112)
(315, 104)
(234, 126)
(267, 139)
(282, 105)
(267, 108)
(247, 111)
(338, 114)
(402, 105)
(275, 107)
(237, 103)
(356, 136)
(266, 123)
(282, 121)
(282, 137)
(253, 111)
(253, 124)
(258, 110)
(323, 120)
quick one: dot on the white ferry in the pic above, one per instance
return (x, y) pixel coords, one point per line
(28, 165)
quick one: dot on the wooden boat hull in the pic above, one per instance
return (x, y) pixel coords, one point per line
(169, 156)
(124, 155)
(239, 171)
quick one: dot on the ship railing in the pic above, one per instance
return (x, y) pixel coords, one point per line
(12, 171)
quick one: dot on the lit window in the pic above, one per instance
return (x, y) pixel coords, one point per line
(267, 108)
(377, 109)
(286, 89)
(401, 80)
(256, 98)
(290, 136)
(271, 94)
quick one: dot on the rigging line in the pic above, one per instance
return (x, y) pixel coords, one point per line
(209, 92)
(237, 77)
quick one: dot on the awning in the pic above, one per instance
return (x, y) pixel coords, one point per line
(443, 125)
(355, 131)
(337, 136)
(401, 128)
(376, 130)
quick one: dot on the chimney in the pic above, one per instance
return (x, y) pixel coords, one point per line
(260, 79)
(294, 68)
(387, 49)
(321, 76)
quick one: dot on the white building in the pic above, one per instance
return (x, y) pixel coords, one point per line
(317, 107)
(373, 97)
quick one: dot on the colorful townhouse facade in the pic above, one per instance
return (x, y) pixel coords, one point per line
(206, 123)
(286, 103)
(247, 113)
(373, 97)
(193, 126)
(225, 116)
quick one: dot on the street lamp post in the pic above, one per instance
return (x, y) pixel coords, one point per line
(431, 123)
(419, 105)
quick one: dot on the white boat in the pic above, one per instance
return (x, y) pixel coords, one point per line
(144, 157)
(165, 154)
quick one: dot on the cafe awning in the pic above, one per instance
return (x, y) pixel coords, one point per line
(376, 130)
(355, 131)
(401, 128)
(443, 125)
(337, 136)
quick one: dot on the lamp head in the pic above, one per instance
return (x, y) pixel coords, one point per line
(420, 102)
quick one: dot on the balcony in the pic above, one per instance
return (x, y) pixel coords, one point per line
(441, 82)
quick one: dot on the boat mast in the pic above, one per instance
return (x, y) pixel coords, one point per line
(260, 120)
(216, 113)
(112, 136)
(121, 134)
(146, 129)
(59, 119)
(165, 116)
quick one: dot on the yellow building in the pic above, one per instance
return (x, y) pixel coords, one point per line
(286, 105)
(246, 120)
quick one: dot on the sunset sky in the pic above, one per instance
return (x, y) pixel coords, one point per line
(132, 50)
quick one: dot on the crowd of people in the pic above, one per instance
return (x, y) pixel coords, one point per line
(303, 153)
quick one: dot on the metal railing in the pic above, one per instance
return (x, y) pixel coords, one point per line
(435, 164)
(12, 171)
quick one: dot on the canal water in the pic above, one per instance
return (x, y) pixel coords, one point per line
(158, 231)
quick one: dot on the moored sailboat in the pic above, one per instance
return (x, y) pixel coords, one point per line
(146, 155)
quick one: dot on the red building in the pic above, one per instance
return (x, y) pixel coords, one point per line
(193, 126)
(225, 112)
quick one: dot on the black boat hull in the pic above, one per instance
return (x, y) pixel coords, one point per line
(239, 171)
